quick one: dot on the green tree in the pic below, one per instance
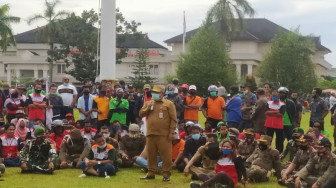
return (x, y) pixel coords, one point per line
(48, 32)
(206, 61)
(141, 70)
(226, 12)
(6, 33)
(288, 63)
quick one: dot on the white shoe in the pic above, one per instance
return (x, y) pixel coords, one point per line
(82, 176)
(107, 177)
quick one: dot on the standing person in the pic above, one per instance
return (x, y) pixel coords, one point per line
(132, 96)
(268, 89)
(289, 117)
(173, 97)
(10, 146)
(233, 108)
(146, 96)
(161, 125)
(184, 93)
(21, 89)
(54, 102)
(12, 104)
(298, 107)
(85, 106)
(192, 103)
(319, 108)
(221, 89)
(36, 103)
(248, 101)
(101, 106)
(118, 109)
(213, 106)
(274, 120)
(38, 155)
(69, 94)
(259, 114)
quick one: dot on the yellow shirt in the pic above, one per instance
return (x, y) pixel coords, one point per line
(102, 105)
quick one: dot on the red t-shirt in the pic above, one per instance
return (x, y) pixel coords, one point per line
(58, 139)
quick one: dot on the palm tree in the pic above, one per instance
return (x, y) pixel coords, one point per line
(226, 12)
(6, 33)
(49, 31)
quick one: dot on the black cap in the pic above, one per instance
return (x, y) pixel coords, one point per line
(324, 142)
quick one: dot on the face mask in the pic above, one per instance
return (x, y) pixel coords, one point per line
(317, 134)
(170, 92)
(117, 128)
(15, 95)
(37, 91)
(226, 151)
(262, 147)
(102, 146)
(275, 99)
(156, 96)
(196, 136)
(303, 147)
(106, 135)
(53, 93)
(65, 84)
(213, 94)
(192, 92)
(36, 126)
(249, 140)
(86, 92)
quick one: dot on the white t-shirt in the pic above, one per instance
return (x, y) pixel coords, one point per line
(67, 93)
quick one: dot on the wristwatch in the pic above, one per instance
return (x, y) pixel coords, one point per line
(99, 162)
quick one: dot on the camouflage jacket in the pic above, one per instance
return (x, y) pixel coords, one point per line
(245, 150)
(38, 153)
(302, 157)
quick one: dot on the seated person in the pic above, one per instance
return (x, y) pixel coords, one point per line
(187, 130)
(74, 149)
(141, 160)
(21, 129)
(181, 129)
(104, 130)
(233, 135)
(242, 136)
(207, 154)
(319, 169)
(117, 131)
(208, 128)
(38, 123)
(229, 168)
(101, 160)
(304, 153)
(177, 151)
(38, 155)
(88, 132)
(2, 124)
(10, 146)
(58, 134)
(223, 131)
(263, 160)
(70, 119)
(291, 147)
(191, 146)
(247, 147)
(2, 166)
(131, 146)
(317, 129)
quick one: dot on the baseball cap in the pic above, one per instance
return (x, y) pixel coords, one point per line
(185, 86)
(68, 115)
(192, 87)
(146, 86)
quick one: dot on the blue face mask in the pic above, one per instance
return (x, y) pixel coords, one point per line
(317, 134)
(156, 96)
(117, 128)
(213, 94)
(36, 126)
(275, 99)
(226, 151)
(170, 92)
(196, 136)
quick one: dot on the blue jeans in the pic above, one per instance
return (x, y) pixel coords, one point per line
(142, 162)
(101, 169)
(13, 161)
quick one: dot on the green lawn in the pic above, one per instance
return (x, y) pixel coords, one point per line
(124, 178)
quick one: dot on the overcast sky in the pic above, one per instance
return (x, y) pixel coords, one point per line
(162, 19)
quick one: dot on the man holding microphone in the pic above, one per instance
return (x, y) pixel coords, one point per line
(161, 125)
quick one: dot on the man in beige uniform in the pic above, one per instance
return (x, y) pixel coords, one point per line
(161, 125)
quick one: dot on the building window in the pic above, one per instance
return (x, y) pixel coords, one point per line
(60, 68)
(154, 69)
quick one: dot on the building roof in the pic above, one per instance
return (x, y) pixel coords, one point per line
(133, 41)
(255, 29)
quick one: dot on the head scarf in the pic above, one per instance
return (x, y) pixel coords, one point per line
(19, 132)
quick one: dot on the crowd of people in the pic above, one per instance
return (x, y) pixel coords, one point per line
(159, 129)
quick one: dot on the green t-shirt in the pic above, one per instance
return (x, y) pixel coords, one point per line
(286, 120)
(120, 116)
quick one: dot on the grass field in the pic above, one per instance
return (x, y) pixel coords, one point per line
(124, 178)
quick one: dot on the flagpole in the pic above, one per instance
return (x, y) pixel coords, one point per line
(98, 38)
(184, 32)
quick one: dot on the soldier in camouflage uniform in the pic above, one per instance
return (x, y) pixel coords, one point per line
(319, 168)
(263, 160)
(291, 147)
(74, 149)
(38, 155)
(247, 147)
(305, 152)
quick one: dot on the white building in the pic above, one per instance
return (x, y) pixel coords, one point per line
(248, 47)
(28, 59)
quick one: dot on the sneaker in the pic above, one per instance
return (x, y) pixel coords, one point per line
(107, 177)
(82, 176)
(194, 185)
